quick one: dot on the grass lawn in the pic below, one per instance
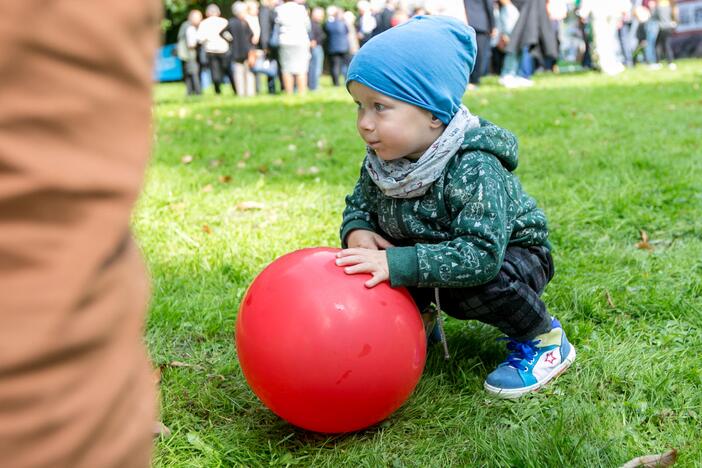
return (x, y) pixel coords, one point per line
(605, 157)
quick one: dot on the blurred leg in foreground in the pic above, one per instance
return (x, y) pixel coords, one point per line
(75, 384)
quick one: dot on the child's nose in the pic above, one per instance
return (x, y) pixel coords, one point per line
(366, 123)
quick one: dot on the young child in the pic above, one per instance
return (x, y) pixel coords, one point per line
(437, 206)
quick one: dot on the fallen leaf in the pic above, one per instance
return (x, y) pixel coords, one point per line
(321, 144)
(187, 159)
(610, 302)
(241, 164)
(207, 188)
(206, 229)
(215, 162)
(247, 154)
(160, 430)
(263, 168)
(216, 376)
(644, 244)
(664, 459)
(249, 205)
(179, 363)
(225, 179)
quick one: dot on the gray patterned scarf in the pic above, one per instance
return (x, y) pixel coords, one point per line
(403, 178)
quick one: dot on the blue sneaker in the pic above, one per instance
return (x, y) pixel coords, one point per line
(531, 364)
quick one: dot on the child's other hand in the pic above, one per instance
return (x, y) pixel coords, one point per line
(361, 238)
(371, 261)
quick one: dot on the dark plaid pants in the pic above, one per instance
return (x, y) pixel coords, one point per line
(511, 301)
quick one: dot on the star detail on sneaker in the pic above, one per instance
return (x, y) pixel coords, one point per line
(550, 358)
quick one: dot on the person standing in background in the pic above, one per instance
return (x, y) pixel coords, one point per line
(188, 53)
(665, 14)
(213, 35)
(76, 389)
(480, 17)
(266, 20)
(294, 50)
(337, 43)
(366, 22)
(316, 48)
(242, 51)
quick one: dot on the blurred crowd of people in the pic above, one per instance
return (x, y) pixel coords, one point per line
(284, 45)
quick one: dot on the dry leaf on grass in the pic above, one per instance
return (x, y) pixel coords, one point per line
(644, 244)
(241, 165)
(247, 154)
(610, 302)
(179, 363)
(207, 188)
(249, 205)
(215, 162)
(187, 159)
(662, 460)
(161, 430)
(206, 229)
(263, 169)
(225, 179)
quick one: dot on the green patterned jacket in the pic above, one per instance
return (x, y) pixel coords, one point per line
(456, 234)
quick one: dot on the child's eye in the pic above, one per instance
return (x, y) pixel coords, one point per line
(379, 107)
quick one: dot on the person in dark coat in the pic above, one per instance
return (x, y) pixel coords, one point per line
(533, 34)
(316, 48)
(337, 42)
(482, 19)
(239, 50)
(266, 19)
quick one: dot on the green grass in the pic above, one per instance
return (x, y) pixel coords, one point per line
(605, 157)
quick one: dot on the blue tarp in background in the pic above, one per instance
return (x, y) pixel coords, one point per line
(168, 66)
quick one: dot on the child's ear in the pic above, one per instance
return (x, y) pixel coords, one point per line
(435, 122)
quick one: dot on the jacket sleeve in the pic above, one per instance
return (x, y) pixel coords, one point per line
(361, 208)
(477, 199)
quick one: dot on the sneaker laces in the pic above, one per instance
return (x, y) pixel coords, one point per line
(521, 354)
(440, 324)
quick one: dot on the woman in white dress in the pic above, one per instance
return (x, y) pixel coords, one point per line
(294, 25)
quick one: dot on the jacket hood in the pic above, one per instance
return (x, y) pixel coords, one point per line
(495, 140)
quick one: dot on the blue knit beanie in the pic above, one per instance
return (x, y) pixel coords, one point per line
(425, 62)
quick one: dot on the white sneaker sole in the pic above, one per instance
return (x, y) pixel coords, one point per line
(517, 392)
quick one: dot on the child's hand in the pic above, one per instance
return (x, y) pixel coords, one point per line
(360, 238)
(371, 261)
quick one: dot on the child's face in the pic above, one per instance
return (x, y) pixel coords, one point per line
(392, 128)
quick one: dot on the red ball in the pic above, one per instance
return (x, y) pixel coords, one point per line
(324, 352)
